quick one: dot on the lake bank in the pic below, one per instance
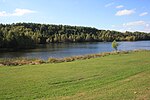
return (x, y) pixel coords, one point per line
(37, 61)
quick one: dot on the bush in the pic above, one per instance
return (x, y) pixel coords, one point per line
(68, 59)
(54, 60)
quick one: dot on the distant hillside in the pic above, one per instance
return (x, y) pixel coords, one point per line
(27, 35)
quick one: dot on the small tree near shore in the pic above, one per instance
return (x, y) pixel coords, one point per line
(115, 45)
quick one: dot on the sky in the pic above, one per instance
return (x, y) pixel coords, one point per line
(119, 15)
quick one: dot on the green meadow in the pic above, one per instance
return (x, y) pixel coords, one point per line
(113, 77)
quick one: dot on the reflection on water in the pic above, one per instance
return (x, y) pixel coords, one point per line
(72, 49)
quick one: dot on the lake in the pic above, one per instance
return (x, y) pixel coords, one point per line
(73, 49)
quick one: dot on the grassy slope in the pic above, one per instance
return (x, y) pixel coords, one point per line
(125, 76)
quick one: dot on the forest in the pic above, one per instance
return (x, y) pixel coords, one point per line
(28, 35)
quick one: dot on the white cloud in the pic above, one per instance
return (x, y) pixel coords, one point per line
(142, 26)
(3, 13)
(135, 23)
(138, 26)
(147, 25)
(120, 6)
(21, 12)
(143, 14)
(109, 4)
(125, 12)
(147, 29)
(17, 12)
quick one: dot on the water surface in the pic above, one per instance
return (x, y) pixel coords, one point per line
(72, 49)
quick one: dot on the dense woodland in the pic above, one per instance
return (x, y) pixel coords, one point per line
(28, 35)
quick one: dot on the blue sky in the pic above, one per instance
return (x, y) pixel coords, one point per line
(120, 15)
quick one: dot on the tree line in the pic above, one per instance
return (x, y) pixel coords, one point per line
(28, 35)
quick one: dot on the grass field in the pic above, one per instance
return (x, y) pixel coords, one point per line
(113, 77)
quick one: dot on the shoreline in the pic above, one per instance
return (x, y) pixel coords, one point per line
(37, 61)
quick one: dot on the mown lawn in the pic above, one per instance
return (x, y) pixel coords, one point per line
(113, 77)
